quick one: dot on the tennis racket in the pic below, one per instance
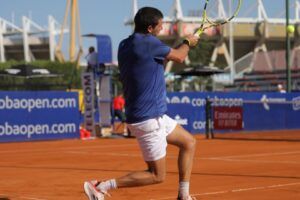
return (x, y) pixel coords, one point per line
(206, 23)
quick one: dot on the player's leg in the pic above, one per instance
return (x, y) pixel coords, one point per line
(155, 174)
(151, 136)
(187, 144)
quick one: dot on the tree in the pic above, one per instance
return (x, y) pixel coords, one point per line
(201, 54)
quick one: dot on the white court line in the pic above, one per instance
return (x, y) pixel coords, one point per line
(225, 158)
(105, 154)
(258, 161)
(221, 158)
(258, 155)
(31, 198)
(124, 145)
(237, 190)
(201, 158)
(64, 148)
(22, 197)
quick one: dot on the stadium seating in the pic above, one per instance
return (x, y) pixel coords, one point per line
(268, 70)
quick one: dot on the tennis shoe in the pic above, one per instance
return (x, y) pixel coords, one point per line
(92, 192)
(188, 198)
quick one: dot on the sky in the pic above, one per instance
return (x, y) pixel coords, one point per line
(108, 16)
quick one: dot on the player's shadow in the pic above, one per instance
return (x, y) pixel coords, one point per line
(4, 198)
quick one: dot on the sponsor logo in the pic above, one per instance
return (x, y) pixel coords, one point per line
(198, 125)
(267, 101)
(264, 101)
(175, 99)
(9, 103)
(88, 88)
(198, 102)
(185, 99)
(29, 130)
(228, 102)
(296, 103)
(180, 120)
(201, 102)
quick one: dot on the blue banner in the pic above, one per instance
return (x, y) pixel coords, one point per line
(40, 115)
(104, 48)
(271, 111)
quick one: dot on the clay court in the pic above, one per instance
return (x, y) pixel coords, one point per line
(223, 169)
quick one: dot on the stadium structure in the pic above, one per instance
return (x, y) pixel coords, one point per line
(30, 41)
(252, 48)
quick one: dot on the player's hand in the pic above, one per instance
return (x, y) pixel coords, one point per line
(193, 40)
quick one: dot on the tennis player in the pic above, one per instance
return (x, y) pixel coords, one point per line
(141, 60)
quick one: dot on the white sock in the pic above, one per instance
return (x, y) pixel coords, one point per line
(184, 189)
(108, 185)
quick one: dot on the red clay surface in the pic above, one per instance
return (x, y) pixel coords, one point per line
(223, 169)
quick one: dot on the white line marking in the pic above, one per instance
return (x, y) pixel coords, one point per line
(258, 155)
(237, 190)
(20, 197)
(65, 148)
(204, 158)
(31, 198)
(107, 154)
(259, 161)
(225, 158)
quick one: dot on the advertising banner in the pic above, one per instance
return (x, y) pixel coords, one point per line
(104, 48)
(260, 111)
(228, 118)
(27, 116)
(87, 80)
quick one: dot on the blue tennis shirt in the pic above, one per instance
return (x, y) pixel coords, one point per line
(141, 58)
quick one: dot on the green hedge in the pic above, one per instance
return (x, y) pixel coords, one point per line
(70, 78)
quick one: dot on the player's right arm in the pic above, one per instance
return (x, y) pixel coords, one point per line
(180, 53)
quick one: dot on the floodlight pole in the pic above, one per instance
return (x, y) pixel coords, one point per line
(288, 49)
(231, 47)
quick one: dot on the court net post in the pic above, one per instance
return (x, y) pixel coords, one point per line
(208, 119)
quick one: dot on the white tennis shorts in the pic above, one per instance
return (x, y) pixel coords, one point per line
(152, 136)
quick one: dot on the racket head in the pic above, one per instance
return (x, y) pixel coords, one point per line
(207, 23)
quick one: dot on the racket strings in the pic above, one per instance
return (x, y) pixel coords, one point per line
(211, 23)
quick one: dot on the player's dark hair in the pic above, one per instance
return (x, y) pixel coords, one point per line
(145, 17)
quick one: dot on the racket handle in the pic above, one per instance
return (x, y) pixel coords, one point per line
(198, 33)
